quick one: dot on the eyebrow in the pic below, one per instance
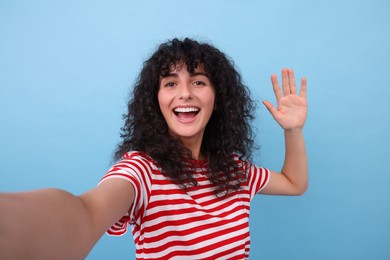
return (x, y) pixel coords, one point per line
(193, 74)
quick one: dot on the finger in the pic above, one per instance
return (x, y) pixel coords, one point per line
(285, 82)
(303, 87)
(270, 107)
(276, 87)
(293, 86)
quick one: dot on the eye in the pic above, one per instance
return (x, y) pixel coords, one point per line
(199, 83)
(169, 84)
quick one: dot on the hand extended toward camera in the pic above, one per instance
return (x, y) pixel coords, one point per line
(291, 108)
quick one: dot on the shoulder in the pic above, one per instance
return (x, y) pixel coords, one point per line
(241, 162)
(140, 157)
(134, 164)
(136, 155)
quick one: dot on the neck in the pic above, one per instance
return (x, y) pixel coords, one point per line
(194, 145)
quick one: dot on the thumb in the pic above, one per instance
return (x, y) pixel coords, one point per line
(270, 107)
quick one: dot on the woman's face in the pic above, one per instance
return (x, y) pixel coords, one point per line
(186, 101)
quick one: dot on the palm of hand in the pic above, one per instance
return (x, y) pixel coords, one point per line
(292, 108)
(291, 112)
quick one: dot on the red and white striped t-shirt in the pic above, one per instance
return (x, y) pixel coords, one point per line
(168, 222)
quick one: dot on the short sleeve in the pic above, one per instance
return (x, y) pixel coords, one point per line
(137, 169)
(258, 178)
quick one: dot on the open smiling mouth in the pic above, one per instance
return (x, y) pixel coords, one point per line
(186, 113)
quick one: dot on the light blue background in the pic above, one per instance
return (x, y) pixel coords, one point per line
(66, 68)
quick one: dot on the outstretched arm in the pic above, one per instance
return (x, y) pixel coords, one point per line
(54, 224)
(290, 114)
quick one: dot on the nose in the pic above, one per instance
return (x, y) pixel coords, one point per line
(185, 92)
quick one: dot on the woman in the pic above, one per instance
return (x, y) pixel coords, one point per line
(183, 180)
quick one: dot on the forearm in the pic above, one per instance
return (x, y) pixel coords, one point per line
(295, 166)
(44, 224)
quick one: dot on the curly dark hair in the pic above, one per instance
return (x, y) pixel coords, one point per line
(228, 130)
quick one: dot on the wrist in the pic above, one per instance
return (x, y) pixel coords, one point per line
(293, 131)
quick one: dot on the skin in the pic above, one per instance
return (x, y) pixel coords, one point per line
(63, 226)
(290, 114)
(181, 89)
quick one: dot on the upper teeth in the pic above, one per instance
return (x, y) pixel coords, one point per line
(186, 109)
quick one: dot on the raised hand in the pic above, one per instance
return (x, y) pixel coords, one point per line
(291, 108)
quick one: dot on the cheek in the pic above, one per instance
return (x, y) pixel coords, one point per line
(163, 102)
(160, 98)
(210, 100)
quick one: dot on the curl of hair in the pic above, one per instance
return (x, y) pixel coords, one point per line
(228, 130)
